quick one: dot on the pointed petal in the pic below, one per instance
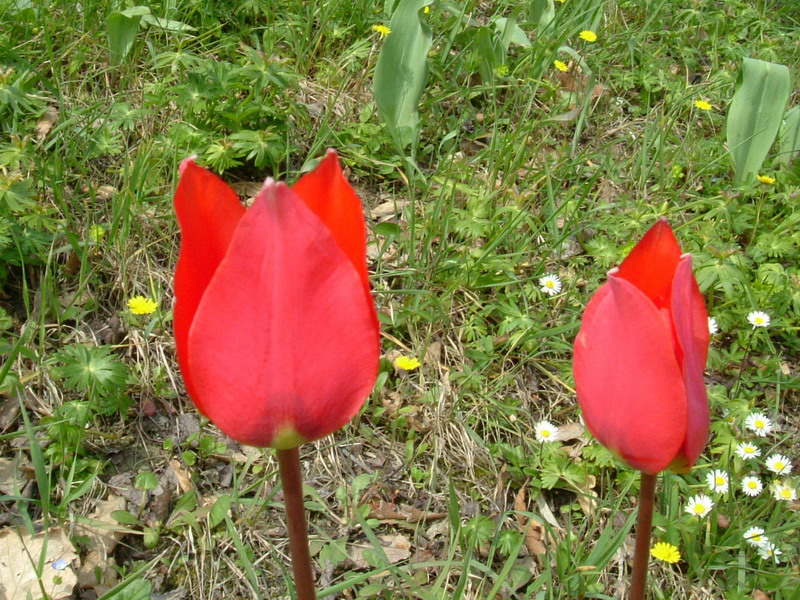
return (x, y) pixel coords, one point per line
(208, 212)
(691, 327)
(284, 344)
(651, 264)
(628, 380)
(331, 197)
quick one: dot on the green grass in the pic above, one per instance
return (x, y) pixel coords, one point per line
(519, 171)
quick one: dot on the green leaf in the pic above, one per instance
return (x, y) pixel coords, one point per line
(402, 71)
(789, 137)
(122, 29)
(91, 369)
(146, 481)
(219, 511)
(124, 517)
(755, 114)
(166, 24)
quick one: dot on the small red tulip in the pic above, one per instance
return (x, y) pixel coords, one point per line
(275, 325)
(639, 358)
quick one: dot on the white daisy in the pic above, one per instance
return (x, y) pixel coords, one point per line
(717, 481)
(699, 506)
(783, 491)
(713, 326)
(545, 431)
(752, 486)
(550, 284)
(778, 463)
(746, 451)
(755, 536)
(758, 423)
(758, 318)
(769, 550)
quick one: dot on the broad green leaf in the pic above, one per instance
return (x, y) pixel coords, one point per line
(166, 24)
(755, 114)
(219, 511)
(124, 517)
(789, 138)
(511, 33)
(122, 31)
(541, 12)
(401, 72)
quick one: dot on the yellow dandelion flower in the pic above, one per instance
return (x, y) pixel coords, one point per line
(766, 179)
(141, 305)
(407, 363)
(383, 30)
(561, 66)
(426, 10)
(665, 552)
(588, 36)
(702, 105)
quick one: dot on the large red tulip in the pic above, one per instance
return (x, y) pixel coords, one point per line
(275, 325)
(639, 358)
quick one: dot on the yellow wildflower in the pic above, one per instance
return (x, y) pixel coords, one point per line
(588, 36)
(141, 305)
(702, 105)
(426, 10)
(560, 65)
(407, 363)
(666, 552)
(383, 30)
(766, 179)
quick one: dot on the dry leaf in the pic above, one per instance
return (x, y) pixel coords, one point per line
(759, 595)
(395, 547)
(14, 474)
(535, 534)
(569, 432)
(19, 555)
(181, 476)
(106, 192)
(586, 498)
(46, 122)
(387, 210)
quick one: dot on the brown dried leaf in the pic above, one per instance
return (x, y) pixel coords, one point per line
(569, 432)
(19, 555)
(46, 122)
(759, 595)
(395, 547)
(533, 530)
(182, 476)
(14, 474)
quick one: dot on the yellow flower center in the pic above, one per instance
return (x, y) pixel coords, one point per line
(699, 509)
(759, 423)
(786, 493)
(779, 466)
(720, 481)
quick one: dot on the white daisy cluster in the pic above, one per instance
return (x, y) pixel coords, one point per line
(755, 537)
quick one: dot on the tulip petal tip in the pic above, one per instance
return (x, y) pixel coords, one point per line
(186, 162)
(612, 272)
(331, 151)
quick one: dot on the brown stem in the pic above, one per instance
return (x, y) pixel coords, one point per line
(292, 482)
(644, 524)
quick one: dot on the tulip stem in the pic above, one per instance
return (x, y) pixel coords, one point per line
(292, 483)
(644, 525)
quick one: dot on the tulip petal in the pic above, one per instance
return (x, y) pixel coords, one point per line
(628, 380)
(691, 327)
(330, 196)
(651, 264)
(208, 212)
(284, 345)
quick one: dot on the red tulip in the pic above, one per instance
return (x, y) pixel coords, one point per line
(639, 358)
(275, 326)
